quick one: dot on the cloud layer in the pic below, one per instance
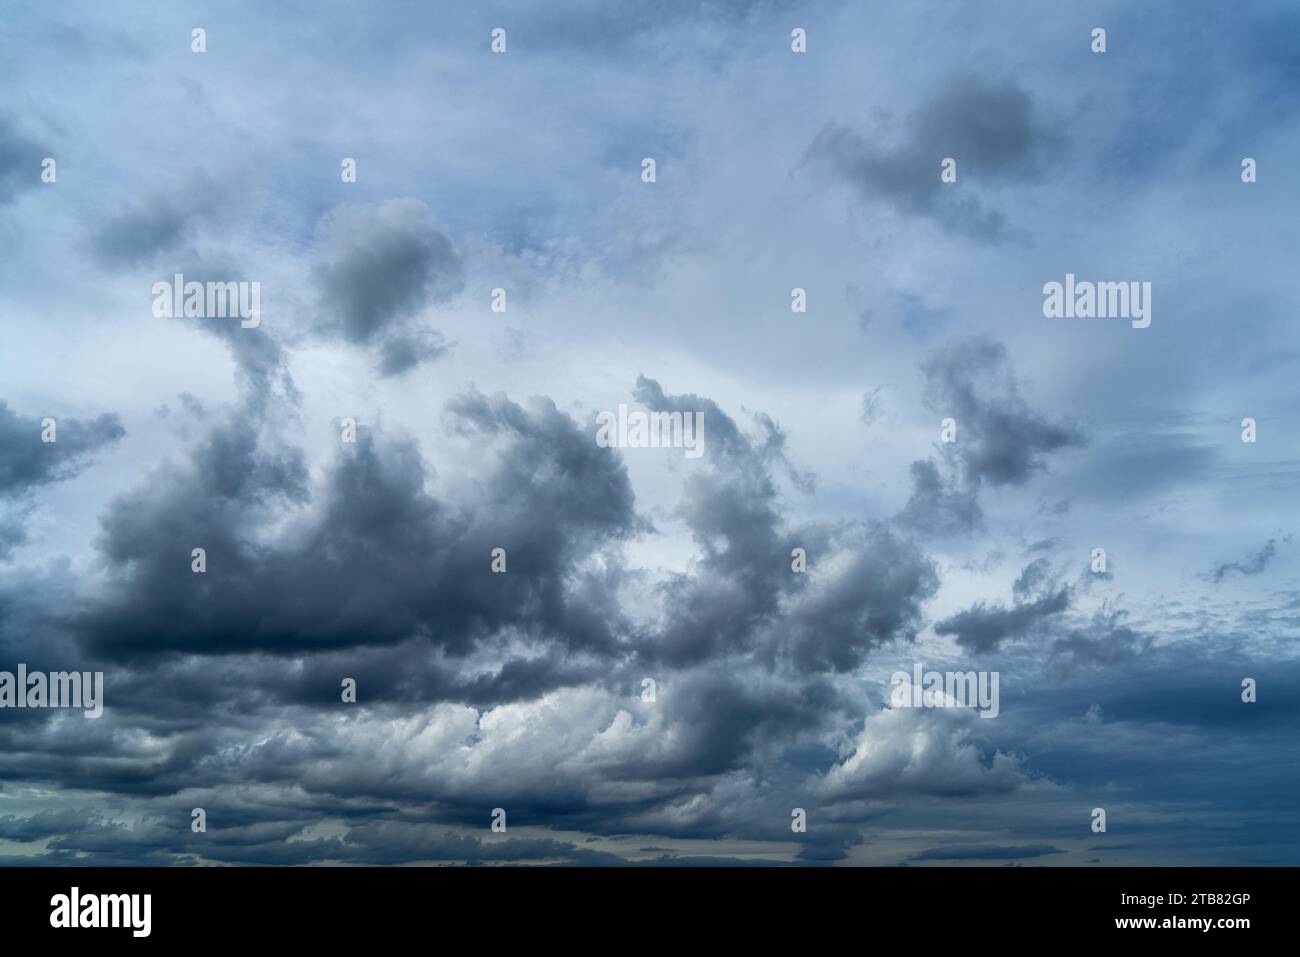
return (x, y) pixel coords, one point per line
(643, 657)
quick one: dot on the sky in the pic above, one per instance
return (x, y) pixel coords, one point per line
(768, 733)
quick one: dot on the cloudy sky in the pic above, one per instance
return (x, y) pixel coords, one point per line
(476, 430)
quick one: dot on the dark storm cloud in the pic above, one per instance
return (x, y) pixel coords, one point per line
(989, 127)
(170, 694)
(545, 459)
(64, 749)
(1253, 565)
(722, 722)
(376, 560)
(1001, 440)
(366, 565)
(732, 598)
(20, 161)
(26, 462)
(386, 263)
(864, 587)
(32, 601)
(730, 505)
(719, 724)
(874, 597)
(232, 465)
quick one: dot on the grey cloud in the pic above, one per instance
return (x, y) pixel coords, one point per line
(871, 595)
(1037, 598)
(161, 223)
(1032, 578)
(990, 127)
(983, 628)
(26, 462)
(371, 560)
(1000, 439)
(730, 506)
(379, 547)
(939, 503)
(385, 264)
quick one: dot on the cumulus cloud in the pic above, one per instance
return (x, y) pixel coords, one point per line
(381, 549)
(926, 751)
